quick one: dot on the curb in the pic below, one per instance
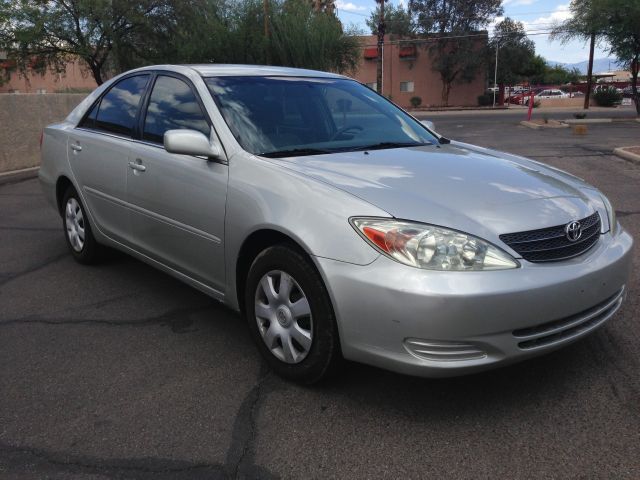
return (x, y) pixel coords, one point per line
(580, 121)
(538, 126)
(18, 175)
(622, 153)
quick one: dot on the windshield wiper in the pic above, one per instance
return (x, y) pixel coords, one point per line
(295, 152)
(383, 145)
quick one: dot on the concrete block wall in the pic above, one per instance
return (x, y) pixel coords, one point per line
(22, 118)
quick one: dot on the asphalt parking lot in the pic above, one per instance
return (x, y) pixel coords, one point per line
(120, 371)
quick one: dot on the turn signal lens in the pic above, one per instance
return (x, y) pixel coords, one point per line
(430, 247)
(611, 215)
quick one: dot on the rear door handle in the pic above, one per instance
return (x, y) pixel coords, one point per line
(137, 166)
(76, 147)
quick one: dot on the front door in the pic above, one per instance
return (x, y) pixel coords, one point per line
(177, 201)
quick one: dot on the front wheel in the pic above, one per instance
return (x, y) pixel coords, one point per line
(290, 316)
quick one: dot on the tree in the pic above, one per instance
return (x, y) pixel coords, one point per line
(397, 21)
(452, 30)
(615, 22)
(47, 33)
(303, 37)
(585, 23)
(111, 36)
(516, 53)
(622, 32)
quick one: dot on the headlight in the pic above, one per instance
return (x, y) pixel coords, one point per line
(611, 215)
(430, 247)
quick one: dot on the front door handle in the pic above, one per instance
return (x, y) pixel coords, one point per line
(76, 147)
(138, 167)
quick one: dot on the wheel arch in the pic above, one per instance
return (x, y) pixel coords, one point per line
(62, 184)
(255, 243)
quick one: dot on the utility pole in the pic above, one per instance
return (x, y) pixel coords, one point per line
(495, 74)
(380, 46)
(267, 45)
(587, 95)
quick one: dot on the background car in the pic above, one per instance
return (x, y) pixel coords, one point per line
(549, 93)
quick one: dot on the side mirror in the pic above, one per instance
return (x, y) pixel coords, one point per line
(429, 124)
(190, 142)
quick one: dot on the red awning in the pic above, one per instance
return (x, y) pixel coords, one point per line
(408, 51)
(371, 53)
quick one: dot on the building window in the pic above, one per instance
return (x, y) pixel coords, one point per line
(373, 86)
(406, 86)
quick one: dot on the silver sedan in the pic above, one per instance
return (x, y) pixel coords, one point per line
(336, 223)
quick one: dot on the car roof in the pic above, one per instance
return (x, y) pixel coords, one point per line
(218, 70)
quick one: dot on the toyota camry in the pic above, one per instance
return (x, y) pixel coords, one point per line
(337, 224)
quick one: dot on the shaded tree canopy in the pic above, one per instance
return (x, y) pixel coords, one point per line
(111, 36)
(516, 53)
(397, 21)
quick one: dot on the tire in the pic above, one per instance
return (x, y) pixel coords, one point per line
(302, 347)
(77, 229)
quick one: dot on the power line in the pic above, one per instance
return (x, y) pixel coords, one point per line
(350, 12)
(434, 38)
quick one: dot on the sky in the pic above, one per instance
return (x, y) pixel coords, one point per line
(536, 15)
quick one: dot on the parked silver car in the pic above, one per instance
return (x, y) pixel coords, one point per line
(339, 225)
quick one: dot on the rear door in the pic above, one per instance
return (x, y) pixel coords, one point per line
(98, 151)
(177, 201)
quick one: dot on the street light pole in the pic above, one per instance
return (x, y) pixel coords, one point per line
(380, 47)
(495, 74)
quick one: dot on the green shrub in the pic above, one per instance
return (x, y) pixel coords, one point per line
(415, 102)
(607, 97)
(485, 99)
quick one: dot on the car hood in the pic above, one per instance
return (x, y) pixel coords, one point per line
(460, 186)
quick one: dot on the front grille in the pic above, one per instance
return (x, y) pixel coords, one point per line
(568, 327)
(443, 351)
(551, 244)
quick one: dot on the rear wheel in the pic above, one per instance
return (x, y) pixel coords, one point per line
(80, 239)
(290, 316)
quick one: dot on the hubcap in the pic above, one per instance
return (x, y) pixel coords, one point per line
(284, 317)
(74, 221)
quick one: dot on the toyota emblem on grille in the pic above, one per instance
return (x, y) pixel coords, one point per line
(573, 231)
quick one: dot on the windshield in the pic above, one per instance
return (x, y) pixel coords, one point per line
(291, 116)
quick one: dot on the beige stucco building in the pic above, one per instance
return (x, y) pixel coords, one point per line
(407, 73)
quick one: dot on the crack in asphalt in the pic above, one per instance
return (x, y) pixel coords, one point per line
(34, 268)
(174, 318)
(16, 458)
(239, 461)
(240, 458)
(29, 229)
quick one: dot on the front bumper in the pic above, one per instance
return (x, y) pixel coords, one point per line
(434, 324)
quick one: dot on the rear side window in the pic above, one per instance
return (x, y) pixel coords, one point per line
(172, 105)
(118, 108)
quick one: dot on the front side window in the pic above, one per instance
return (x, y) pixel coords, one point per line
(274, 116)
(172, 105)
(118, 108)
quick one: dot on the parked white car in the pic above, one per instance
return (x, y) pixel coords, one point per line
(549, 93)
